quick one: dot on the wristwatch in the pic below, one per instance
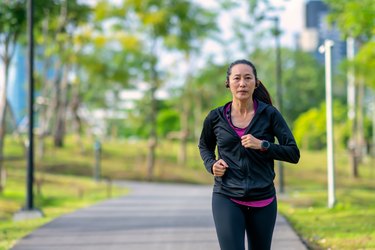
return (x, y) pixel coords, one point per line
(265, 145)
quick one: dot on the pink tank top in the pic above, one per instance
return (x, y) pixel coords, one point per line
(240, 132)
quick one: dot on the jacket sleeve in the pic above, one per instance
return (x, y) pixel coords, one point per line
(207, 143)
(286, 149)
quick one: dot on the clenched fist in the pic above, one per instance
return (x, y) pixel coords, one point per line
(219, 168)
(249, 141)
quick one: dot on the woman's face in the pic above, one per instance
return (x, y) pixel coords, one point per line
(242, 82)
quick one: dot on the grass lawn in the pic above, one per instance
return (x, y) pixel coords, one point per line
(54, 194)
(349, 225)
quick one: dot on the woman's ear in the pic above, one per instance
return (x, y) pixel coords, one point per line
(227, 84)
(257, 84)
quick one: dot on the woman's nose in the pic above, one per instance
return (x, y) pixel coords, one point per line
(242, 82)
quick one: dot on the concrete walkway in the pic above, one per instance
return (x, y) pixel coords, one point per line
(154, 216)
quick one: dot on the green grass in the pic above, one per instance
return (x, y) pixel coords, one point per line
(54, 193)
(349, 225)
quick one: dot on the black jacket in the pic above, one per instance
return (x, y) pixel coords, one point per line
(251, 172)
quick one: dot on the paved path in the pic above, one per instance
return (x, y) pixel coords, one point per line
(154, 216)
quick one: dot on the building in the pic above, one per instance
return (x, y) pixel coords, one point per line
(317, 30)
(17, 87)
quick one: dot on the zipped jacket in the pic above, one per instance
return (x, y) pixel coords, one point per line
(251, 172)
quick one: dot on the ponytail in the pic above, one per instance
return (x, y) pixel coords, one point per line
(262, 94)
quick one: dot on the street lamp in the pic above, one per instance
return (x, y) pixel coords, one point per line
(30, 71)
(29, 211)
(326, 49)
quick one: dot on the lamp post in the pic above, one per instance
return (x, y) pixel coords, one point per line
(326, 49)
(30, 70)
(29, 211)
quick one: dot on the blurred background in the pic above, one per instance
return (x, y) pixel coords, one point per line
(122, 88)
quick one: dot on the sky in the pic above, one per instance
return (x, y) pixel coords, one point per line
(291, 19)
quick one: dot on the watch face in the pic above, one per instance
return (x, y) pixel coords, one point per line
(265, 144)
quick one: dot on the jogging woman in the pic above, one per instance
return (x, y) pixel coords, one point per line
(244, 132)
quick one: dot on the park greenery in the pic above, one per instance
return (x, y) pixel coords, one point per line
(88, 54)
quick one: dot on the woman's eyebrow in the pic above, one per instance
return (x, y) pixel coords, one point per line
(247, 74)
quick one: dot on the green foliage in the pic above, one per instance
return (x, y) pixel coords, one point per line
(354, 18)
(302, 79)
(12, 17)
(168, 121)
(357, 19)
(209, 85)
(302, 83)
(364, 63)
(178, 23)
(310, 127)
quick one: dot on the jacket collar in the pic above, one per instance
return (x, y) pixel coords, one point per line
(221, 113)
(260, 108)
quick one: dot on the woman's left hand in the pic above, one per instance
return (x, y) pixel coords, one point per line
(249, 141)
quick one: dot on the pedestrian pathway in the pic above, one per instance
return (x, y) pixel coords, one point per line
(153, 216)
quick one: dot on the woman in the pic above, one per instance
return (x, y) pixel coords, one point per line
(244, 131)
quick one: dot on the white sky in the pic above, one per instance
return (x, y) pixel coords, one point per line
(291, 19)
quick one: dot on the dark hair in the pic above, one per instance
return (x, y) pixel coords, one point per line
(260, 92)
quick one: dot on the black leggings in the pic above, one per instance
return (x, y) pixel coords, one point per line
(232, 220)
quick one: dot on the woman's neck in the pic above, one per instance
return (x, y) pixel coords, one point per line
(242, 107)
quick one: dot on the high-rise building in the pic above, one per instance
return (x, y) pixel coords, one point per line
(17, 87)
(317, 30)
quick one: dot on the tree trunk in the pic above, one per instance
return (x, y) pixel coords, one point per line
(3, 109)
(153, 139)
(359, 141)
(182, 156)
(353, 154)
(184, 135)
(152, 142)
(47, 96)
(47, 110)
(197, 116)
(16, 132)
(59, 131)
(77, 123)
(61, 96)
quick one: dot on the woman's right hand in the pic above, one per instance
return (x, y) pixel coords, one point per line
(219, 168)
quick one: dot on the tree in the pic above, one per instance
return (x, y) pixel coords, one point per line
(302, 79)
(310, 126)
(12, 22)
(209, 91)
(356, 19)
(56, 57)
(166, 25)
(201, 26)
